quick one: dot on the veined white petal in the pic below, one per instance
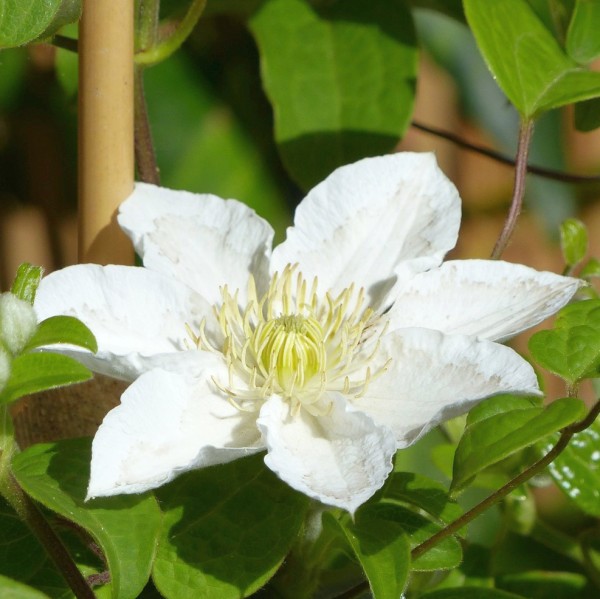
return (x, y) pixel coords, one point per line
(491, 299)
(134, 313)
(166, 425)
(433, 377)
(373, 220)
(341, 458)
(202, 240)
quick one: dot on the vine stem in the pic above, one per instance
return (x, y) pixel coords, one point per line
(495, 497)
(547, 173)
(525, 134)
(29, 513)
(145, 156)
(528, 473)
(164, 48)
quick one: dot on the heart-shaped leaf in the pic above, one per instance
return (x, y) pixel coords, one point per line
(226, 530)
(577, 469)
(572, 349)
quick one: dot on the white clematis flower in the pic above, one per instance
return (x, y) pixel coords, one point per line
(350, 340)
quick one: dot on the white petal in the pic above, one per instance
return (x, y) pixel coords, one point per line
(202, 240)
(373, 220)
(134, 313)
(433, 377)
(164, 426)
(490, 299)
(341, 459)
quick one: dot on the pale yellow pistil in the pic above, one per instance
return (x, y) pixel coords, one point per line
(295, 344)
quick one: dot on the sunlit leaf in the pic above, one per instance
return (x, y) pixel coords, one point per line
(226, 530)
(126, 527)
(341, 78)
(39, 371)
(573, 241)
(381, 547)
(63, 329)
(576, 470)
(27, 281)
(22, 22)
(488, 441)
(583, 41)
(572, 349)
(526, 59)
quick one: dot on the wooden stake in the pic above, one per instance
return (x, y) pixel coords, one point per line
(106, 157)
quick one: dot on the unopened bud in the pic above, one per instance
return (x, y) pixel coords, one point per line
(4, 367)
(18, 322)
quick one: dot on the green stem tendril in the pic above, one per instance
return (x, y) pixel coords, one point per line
(165, 47)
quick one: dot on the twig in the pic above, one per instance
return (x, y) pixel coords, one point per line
(499, 157)
(145, 156)
(475, 511)
(525, 133)
(528, 473)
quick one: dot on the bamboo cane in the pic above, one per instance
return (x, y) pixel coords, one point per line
(106, 157)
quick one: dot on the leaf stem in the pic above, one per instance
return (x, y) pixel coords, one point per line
(164, 48)
(541, 171)
(525, 133)
(145, 156)
(31, 515)
(528, 473)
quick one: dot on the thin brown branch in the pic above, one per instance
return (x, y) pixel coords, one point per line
(145, 157)
(525, 133)
(502, 158)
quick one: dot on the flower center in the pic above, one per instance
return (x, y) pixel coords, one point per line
(295, 343)
(290, 348)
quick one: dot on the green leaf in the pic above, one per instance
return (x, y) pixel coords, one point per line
(590, 269)
(341, 78)
(525, 58)
(572, 349)
(27, 281)
(491, 440)
(500, 404)
(23, 557)
(587, 115)
(470, 593)
(22, 22)
(39, 371)
(573, 241)
(126, 527)
(541, 584)
(63, 329)
(202, 144)
(381, 547)
(11, 589)
(583, 41)
(451, 8)
(576, 470)
(226, 530)
(422, 492)
(444, 556)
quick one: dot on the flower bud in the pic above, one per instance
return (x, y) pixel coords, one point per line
(18, 322)
(4, 367)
